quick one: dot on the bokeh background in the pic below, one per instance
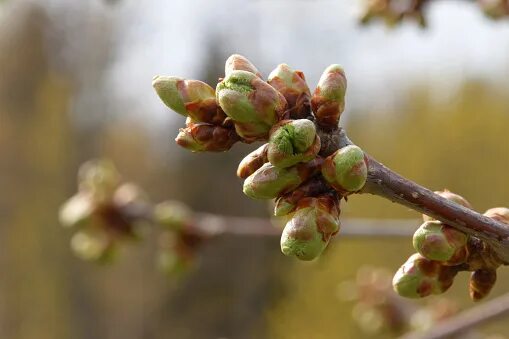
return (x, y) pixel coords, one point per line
(75, 84)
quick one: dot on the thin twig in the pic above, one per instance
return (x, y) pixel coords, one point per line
(466, 320)
(213, 224)
(210, 225)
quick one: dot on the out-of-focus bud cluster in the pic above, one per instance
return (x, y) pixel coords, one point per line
(106, 213)
(443, 251)
(394, 12)
(178, 243)
(285, 114)
(495, 9)
(378, 311)
(103, 212)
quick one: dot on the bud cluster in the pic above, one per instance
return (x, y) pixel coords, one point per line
(285, 114)
(101, 212)
(106, 213)
(443, 251)
(394, 12)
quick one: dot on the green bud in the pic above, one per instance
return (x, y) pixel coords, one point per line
(420, 277)
(439, 242)
(308, 232)
(292, 84)
(498, 213)
(191, 98)
(172, 214)
(293, 141)
(204, 137)
(77, 211)
(452, 197)
(92, 245)
(269, 182)
(346, 169)
(328, 101)
(481, 283)
(237, 62)
(99, 178)
(252, 162)
(252, 104)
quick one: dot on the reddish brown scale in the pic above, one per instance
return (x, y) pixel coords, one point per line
(481, 255)
(481, 283)
(299, 104)
(213, 138)
(263, 98)
(330, 204)
(459, 257)
(461, 254)
(327, 113)
(327, 206)
(311, 188)
(429, 267)
(309, 169)
(242, 64)
(206, 111)
(446, 276)
(255, 161)
(425, 289)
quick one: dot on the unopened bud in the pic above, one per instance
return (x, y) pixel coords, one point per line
(439, 242)
(420, 277)
(308, 232)
(292, 84)
(498, 213)
(252, 162)
(191, 98)
(204, 137)
(269, 182)
(328, 101)
(293, 141)
(481, 283)
(252, 104)
(346, 170)
(237, 62)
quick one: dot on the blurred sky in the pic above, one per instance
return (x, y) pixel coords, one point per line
(174, 38)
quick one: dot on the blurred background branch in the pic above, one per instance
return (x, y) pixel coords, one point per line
(466, 320)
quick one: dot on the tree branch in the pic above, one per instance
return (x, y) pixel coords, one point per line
(386, 183)
(213, 225)
(466, 320)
